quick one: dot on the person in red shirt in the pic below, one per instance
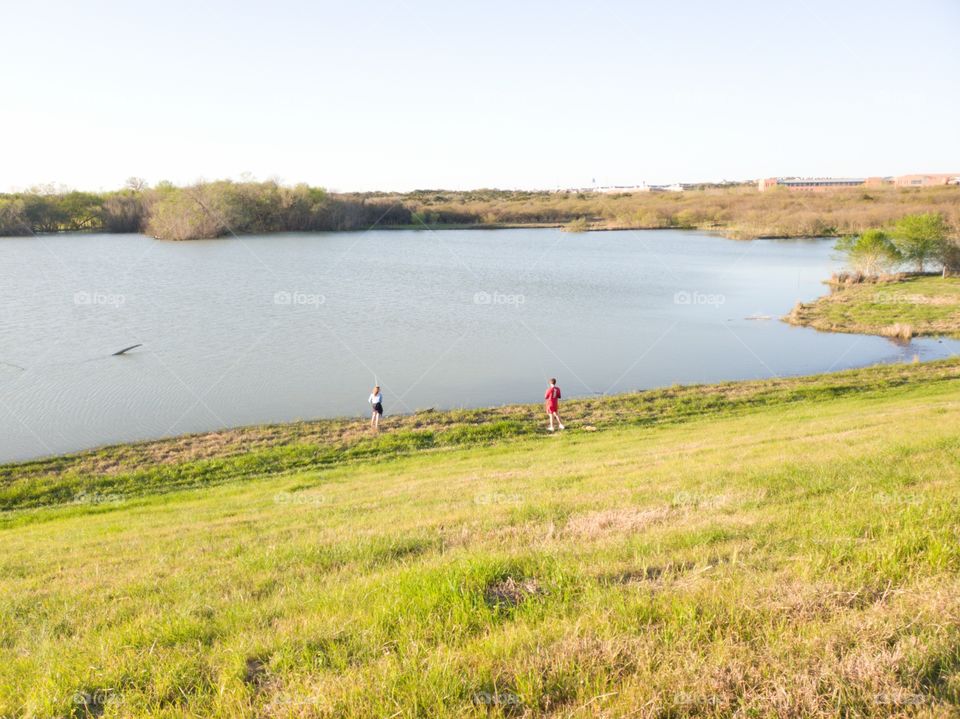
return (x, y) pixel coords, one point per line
(551, 401)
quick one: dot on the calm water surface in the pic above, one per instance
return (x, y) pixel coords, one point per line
(281, 327)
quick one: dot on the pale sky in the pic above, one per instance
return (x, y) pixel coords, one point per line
(365, 95)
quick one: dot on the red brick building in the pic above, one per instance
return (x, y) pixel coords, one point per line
(944, 178)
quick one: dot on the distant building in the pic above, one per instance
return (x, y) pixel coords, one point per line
(643, 187)
(821, 184)
(607, 189)
(795, 184)
(946, 178)
(810, 184)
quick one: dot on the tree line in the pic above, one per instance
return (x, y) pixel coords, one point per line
(203, 210)
(214, 209)
(915, 241)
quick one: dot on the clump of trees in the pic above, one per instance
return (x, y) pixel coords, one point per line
(124, 211)
(26, 212)
(187, 214)
(922, 239)
(203, 210)
(214, 209)
(871, 253)
(916, 241)
(12, 217)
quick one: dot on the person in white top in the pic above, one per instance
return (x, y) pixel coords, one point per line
(376, 401)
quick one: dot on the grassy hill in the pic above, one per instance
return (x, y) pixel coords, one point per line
(782, 548)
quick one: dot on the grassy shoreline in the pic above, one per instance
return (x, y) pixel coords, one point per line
(898, 308)
(781, 548)
(209, 458)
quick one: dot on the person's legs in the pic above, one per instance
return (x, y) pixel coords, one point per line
(550, 417)
(559, 423)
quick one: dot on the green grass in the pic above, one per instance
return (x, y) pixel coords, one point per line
(789, 548)
(927, 305)
(132, 470)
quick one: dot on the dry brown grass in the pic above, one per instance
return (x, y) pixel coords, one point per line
(615, 521)
(898, 331)
(741, 212)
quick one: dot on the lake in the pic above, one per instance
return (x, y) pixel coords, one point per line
(283, 327)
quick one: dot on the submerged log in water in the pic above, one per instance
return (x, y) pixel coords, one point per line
(126, 349)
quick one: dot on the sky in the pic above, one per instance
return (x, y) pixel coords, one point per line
(365, 95)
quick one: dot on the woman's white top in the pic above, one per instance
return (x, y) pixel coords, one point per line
(375, 398)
